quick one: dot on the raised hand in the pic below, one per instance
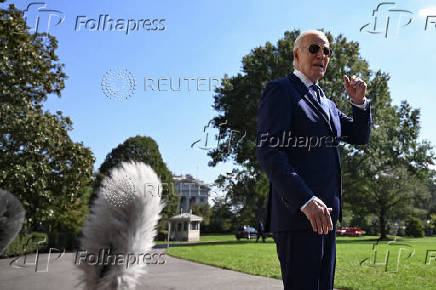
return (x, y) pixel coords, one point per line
(356, 89)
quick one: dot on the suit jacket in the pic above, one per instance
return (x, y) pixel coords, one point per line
(297, 147)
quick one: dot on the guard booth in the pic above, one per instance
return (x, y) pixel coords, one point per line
(184, 227)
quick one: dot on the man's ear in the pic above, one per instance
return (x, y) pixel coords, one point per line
(295, 56)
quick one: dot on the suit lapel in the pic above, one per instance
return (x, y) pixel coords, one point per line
(334, 122)
(314, 105)
(303, 91)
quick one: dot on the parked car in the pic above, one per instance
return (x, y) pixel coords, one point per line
(353, 232)
(341, 231)
(349, 231)
(246, 232)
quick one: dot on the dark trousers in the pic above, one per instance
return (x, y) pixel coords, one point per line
(307, 260)
(260, 234)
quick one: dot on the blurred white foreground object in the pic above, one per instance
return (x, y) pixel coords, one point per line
(120, 228)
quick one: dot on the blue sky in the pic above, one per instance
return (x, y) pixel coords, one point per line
(208, 39)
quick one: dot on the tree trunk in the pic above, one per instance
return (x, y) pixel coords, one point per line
(383, 234)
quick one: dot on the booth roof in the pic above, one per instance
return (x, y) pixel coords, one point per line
(187, 216)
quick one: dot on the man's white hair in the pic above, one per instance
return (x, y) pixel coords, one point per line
(300, 37)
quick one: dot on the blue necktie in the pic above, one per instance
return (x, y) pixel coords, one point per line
(321, 99)
(317, 93)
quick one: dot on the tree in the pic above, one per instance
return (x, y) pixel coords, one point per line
(203, 210)
(28, 68)
(432, 225)
(142, 149)
(414, 227)
(222, 217)
(389, 175)
(432, 188)
(393, 141)
(40, 164)
(246, 194)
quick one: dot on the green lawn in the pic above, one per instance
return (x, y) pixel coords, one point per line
(205, 238)
(351, 272)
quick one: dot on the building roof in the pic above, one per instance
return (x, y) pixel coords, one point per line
(187, 216)
(190, 179)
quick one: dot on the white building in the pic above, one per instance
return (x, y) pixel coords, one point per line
(190, 191)
(184, 227)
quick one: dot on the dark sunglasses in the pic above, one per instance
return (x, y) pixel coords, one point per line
(314, 48)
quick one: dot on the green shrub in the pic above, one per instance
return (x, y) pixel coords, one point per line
(25, 244)
(414, 227)
(162, 235)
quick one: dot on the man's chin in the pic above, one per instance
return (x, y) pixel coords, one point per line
(319, 75)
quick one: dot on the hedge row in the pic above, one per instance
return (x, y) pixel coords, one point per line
(25, 244)
(28, 243)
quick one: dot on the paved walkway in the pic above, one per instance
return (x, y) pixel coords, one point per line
(174, 274)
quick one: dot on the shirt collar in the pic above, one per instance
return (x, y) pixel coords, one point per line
(303, 78)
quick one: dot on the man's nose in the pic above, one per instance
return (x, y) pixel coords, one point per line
(320, 53)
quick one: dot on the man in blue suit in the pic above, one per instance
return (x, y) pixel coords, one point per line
(298, 134)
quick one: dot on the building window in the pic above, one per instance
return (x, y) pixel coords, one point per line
(194, 226)
(185, 226)
(179, 226)
(201, 199)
